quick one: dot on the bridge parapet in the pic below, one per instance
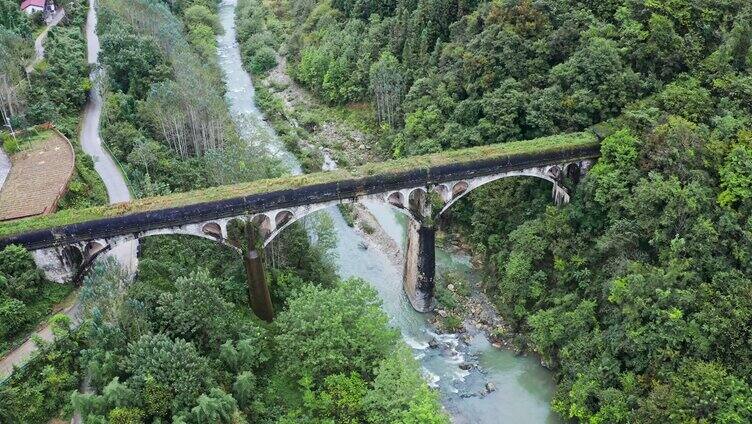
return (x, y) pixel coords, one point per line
(180, 209)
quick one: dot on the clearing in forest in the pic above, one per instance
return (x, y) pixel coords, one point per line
(39, 175)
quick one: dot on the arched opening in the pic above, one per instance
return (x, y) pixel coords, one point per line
(573, 172)
(396, 199)
(459, 189)
(282, 218)
(92, 249)
(236, 232)
(72, 257)
(443, 192)
(212, 229)
(263, 223)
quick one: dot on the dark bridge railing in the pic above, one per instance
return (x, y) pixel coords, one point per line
(41, 232)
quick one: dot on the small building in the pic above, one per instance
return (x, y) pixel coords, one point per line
(33, 6)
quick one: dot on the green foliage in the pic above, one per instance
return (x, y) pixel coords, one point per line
(736, 174)
(10, 144)
(13, 19)
(21, 278)
(133, 61)
(25, 296)
(198, 14)
(399, 394)
(263, 60)
(174, 363)
(350, 341)
(126, 416)
(195, 311)
(340, 399)
(59, 89)
(701, 391)
(159, 69)
(39, 391)
(217, 407)
(85, 189)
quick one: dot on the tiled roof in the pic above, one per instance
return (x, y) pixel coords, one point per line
(37, 3)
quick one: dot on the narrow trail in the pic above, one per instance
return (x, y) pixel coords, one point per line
(39, 42)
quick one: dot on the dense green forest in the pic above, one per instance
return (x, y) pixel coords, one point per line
(639, 293)
(179, 344)
(182, 343)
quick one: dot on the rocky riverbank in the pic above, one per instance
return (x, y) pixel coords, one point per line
(345, 133)
(463, 308)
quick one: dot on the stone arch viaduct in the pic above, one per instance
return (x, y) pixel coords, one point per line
(66, 243)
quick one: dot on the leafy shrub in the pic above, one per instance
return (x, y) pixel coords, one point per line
(263, 60)
(12, 316)
(10, 144)
(126, 416)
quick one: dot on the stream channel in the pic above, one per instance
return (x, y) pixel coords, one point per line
(523, 387)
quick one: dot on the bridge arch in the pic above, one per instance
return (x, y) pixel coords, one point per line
(553, 174)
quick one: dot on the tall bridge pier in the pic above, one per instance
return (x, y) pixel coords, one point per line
(420, 254)
(420, 266)
(258, 288)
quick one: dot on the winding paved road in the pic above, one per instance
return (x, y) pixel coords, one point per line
(117, 189)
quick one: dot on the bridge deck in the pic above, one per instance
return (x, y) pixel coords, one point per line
(264, 195)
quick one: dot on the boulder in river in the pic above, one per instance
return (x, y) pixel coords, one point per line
(433, 343)
(490, 387)
(465, 366)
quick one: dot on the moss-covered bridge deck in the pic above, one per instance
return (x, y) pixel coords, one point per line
(263, 195)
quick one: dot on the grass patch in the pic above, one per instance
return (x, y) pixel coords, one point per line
(26, 139)
(367, 228)
(452, 323)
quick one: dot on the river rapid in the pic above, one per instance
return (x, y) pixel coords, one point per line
(523, 388)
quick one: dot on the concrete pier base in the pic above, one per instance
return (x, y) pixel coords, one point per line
(420, 266)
